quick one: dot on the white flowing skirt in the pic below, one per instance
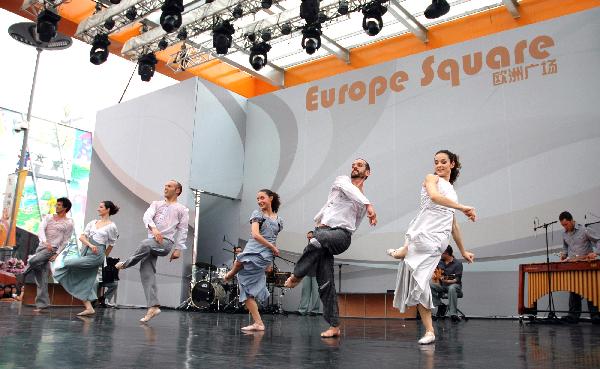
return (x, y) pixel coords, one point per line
(414, 274)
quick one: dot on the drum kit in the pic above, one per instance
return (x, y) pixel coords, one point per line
(210, 293)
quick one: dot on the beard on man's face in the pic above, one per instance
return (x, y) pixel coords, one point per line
(358, 174)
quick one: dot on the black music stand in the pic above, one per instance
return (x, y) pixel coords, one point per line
(551, 318)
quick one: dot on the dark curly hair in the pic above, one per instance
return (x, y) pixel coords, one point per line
(454, 173)
(276, 202)
(112, 208)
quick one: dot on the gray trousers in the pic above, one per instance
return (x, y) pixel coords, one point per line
(309, 301)
(319, 254)
(110, 289)
(146, 254)
(40, 267)
(437, 291)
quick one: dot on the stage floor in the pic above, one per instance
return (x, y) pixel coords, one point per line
(175, 339)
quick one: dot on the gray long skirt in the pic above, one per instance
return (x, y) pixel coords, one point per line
(414, 274)
(79, 275)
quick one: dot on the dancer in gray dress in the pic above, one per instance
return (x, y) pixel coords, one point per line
(78, 275)
(250, 265)
(427, 237)
(54, 234)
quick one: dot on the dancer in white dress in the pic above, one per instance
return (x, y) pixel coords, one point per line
(427, 237)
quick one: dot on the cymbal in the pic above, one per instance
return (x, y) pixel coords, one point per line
(203, 265)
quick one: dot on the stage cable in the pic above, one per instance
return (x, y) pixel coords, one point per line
(128, 83)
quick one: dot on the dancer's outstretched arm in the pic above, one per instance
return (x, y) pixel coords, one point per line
(431, 186)
(469, 256)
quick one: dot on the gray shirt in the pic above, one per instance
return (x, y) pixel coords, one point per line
(579, 241)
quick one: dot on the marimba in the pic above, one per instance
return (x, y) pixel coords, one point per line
(581, 277)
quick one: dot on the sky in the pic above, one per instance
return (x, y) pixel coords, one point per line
(68, 86)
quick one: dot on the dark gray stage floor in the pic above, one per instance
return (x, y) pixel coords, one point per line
(115, 339)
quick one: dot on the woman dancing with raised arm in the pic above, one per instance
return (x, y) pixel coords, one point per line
(78, 276)
(250, 265)
(427, 237)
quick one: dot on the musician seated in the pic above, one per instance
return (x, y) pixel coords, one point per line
(447, 279)
(577, 245)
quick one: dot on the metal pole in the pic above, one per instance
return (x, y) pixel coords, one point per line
(13, 218)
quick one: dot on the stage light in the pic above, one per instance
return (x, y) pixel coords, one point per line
(222, 36)
(237, 11)
(99, 52)
(182, 34)
(147, 66)
(258, 55)
(131, 13)
(266, 4)
(311, 38)
(163, 44)
(208, 1)
(170, 18)
(115, 2)
(47, 25)
(109, 24)
(309, 11)
(286, 29)
(372, 17)
(343, 7)
(437, 9)
(266, 35)
(322, 17)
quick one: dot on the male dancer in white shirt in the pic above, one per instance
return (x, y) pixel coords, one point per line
(54, 234)
(167, 224)
(345, 208)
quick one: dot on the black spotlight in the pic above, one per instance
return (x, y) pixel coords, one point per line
(286, 29)
(208, 1)
(182, 34)
(147, 66)
(222, 36)
(266, 35)
(309, 10)
(131, 14)
(99, 52)
(237, 11)
(266, 4)
(343, 7)
(258, 55)
(170, 18)
(251, 37)
(109, 24)
(163, 44)
(437, 9)
(372, 22)
(311, 38)
(115, 2)
(47, 24)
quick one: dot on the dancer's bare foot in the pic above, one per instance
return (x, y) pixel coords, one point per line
(254, 327)
(152, 312)
(398, 253)
(331, 332)
(120, 265)
(292, 281)
(87, 312)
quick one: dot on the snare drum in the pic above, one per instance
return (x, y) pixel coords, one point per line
(205, 293)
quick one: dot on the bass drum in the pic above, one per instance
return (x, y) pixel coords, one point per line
(205, 293)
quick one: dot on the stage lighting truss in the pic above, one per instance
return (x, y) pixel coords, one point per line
(35, 7)
(96, 23)
(197, 22)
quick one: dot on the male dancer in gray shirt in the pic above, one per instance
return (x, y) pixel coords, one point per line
(345, 208)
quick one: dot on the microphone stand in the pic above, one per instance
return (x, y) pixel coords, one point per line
(551, 318)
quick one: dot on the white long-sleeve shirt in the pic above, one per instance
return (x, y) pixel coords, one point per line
(171, 220)
(345, 206)
(55, 231)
